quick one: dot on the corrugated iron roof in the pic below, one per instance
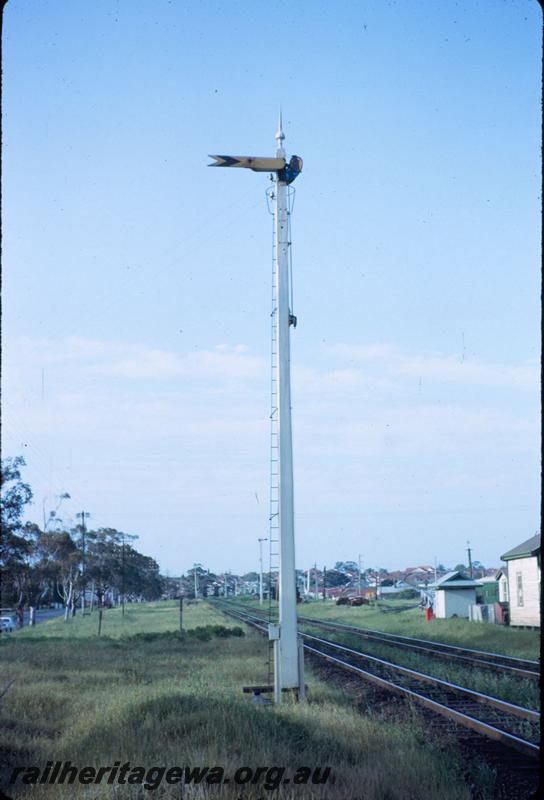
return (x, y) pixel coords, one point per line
(454, 580)
(466, 584)
(524, 550)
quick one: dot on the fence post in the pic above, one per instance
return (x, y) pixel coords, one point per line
(301, 684)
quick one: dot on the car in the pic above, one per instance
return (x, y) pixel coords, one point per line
(7, 624)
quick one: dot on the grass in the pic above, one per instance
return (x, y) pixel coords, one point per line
(143, 694)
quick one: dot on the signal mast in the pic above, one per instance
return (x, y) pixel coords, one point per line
(288, 660)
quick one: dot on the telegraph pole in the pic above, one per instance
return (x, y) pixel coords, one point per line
(287, 671)
(265, 539)
(83, 514)
(359, 563)
(180, 604)
(196, 586)
(123, 576)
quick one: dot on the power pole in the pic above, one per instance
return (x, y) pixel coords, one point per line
(123, 577)
(180, 604)
(264, 539)
(83, 514)
(196, 586)
(359, 563)
(287, 662)
(469, 551)
(315, 580)
(324, 582)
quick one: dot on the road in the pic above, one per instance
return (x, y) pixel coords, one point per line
(44, 614)
(41, 615)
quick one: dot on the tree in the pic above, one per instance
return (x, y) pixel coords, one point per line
(102, 560)
(138, 574)
(15, 545)
(112, 563)
(347, 567)
(336, 578)
(60, 561)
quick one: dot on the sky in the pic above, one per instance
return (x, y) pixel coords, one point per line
(136, 282)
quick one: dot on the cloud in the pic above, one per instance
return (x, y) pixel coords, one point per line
(362, 352)
(393, 362)
(448, 368)
(336, 382)
(140, 433)
(131, 361)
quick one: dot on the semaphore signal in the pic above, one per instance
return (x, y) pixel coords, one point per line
(288, 672)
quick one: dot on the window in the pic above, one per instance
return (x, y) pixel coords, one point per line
(519, 588)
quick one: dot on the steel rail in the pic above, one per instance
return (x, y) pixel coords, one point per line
(467, 721)
(484, 728)
(471, 694)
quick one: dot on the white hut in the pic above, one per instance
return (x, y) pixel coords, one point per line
(454, 594)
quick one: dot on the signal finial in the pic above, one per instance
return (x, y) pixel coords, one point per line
(280, 136)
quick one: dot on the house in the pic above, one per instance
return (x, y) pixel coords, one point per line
(523, 574)
(422, 572)
(419, 576)
(454, 593)
(501, 576)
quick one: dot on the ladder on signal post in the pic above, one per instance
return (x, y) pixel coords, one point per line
(274, 486)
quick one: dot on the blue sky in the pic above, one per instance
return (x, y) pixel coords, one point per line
(136, 281)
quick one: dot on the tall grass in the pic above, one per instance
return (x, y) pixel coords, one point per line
(166, 700)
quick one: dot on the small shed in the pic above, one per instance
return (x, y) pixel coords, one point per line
(454, 594)
(487, 592)
(524, 582)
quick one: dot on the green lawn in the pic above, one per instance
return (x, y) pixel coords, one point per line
(162, 700)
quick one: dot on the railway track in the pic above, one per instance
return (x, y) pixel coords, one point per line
(517, 667)
(506, 665)
(508, 724)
